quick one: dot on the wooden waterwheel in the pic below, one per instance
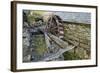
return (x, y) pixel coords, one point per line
(55, 26)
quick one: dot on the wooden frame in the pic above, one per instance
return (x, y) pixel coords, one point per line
(14, 36)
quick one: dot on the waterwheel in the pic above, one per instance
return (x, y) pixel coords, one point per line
(55, 26)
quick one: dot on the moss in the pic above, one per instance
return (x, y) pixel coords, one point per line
(39, 12)
(71, 56)
(34, 16)
(40, 45)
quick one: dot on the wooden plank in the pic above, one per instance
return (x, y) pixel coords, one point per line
(68, 22)
(78, 39)
(78, 44)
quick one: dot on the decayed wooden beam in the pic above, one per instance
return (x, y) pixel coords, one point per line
(78, 39)
(58, 41)
(78, 43)
(68, 22)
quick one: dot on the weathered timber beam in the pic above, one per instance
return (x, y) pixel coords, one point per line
(78, 44)
(68, 22)
(78, 39)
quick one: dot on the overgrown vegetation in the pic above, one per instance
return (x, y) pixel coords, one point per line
(39, 42)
